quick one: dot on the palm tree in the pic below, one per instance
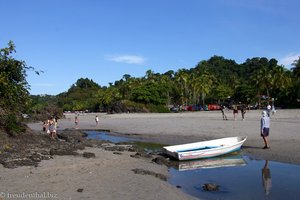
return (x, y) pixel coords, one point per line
(181, 78)
(204, 84)
(281, 78)
(263, 80)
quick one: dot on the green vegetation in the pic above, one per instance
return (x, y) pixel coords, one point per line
(216, 80)
(210, 81)
(14, 95)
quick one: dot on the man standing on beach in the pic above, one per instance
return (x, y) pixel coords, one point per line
(76, 121)
(265, 128)
(243, 111)
(97, 120)
(223, 112)
(235, 112)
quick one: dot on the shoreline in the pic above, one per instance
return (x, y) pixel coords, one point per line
(107, 176)
(112, 174)
(179, 128)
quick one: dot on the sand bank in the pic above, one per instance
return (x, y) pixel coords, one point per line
(107, 176)
(176, 128)
(110, 176)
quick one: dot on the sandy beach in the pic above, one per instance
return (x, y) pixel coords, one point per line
(110, 176)
(178, 128)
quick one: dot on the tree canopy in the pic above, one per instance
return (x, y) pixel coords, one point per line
(216, 80)
(14, 95)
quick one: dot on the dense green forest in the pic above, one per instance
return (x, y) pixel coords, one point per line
(214, 81)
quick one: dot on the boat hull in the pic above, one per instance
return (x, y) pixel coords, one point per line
(206, 149)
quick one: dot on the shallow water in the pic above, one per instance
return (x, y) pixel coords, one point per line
(253, 179)
(239, 177)
(108, 137)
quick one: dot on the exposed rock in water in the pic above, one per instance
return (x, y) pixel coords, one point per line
(161, 161)
(210, 187)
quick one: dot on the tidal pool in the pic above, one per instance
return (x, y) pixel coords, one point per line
(239, 177)
(99, 135)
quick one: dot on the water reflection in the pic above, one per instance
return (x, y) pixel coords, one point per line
(224, 161)
(239, 177)
(266, 177)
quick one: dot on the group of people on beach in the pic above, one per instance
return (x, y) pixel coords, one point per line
(50, 126)
(235, 112)
(77, 120)
(264, 122)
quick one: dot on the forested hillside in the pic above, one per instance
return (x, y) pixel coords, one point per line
(216, 80)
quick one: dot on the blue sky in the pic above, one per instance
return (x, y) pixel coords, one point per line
(105, 39)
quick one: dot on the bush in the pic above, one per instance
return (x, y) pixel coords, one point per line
(12, 125)
(158, 108)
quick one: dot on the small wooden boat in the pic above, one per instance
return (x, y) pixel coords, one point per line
(205, 149)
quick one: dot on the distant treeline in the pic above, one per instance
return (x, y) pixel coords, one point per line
(216, 80)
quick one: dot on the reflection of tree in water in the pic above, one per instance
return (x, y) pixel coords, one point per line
(266, 176)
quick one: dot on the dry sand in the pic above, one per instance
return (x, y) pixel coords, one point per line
(110, 176)
(177, 128)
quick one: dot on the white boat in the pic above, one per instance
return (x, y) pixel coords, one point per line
(216, 162)
(205, 149)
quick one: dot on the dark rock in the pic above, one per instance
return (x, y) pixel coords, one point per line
(115, 148)
(88, 155)
(36, 157)
(63, 152)
(210, 187)
(131, 149)
(80, 190)
(147, 172)
(161, 161)
(141, 155)
(117, 153)
(14, 163)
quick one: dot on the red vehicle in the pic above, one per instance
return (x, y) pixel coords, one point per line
(213, 107)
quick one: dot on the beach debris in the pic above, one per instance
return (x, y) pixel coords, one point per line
(117, 153)
(210, 187)
(80, 190)
(147, 172)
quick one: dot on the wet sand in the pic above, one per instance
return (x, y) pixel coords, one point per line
(110, 176)
(177, 128)
(107, 176)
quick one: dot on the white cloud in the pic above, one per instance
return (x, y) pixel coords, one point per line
(129, 59)
(289, 59)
